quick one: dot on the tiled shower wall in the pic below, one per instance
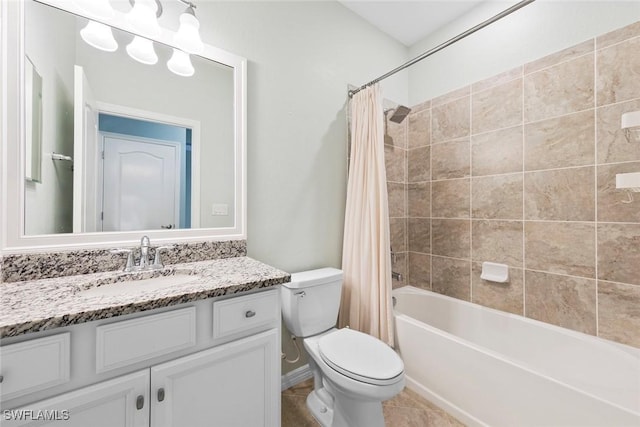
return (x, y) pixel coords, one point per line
(520, 169)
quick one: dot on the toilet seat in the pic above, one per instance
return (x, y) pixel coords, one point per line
(361, 357)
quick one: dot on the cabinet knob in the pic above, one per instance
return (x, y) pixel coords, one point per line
(160, 394)
(249, 313)
(140, 402)
(1, 378)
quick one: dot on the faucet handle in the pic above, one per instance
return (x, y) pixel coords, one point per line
(157, 260)
(130, 261)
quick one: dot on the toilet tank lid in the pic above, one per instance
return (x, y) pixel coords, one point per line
(306, 279)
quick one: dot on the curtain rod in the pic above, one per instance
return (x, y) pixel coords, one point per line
(449, 42)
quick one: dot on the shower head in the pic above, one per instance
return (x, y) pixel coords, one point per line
(399, 113)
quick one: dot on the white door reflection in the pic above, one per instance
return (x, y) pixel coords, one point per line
(146, 174)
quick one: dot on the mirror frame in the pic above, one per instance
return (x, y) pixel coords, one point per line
(12, 164)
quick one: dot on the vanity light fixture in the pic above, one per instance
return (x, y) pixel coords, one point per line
(180, 63)
(631, 126)
(99, 9)
(141, 50)
(99, 36)
(144, 17)
(188, 36)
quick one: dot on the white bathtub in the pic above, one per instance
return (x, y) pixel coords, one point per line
(492, 368)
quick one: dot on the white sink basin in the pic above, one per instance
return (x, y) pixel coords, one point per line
(142, 285)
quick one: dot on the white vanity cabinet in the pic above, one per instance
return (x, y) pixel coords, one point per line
(121, 402)
(198, 380)
(230, 385)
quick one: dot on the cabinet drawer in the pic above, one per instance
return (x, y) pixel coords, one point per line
(34, 365)
(253, 313)
(123, 343)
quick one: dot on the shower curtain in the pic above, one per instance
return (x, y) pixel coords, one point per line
(366, 258)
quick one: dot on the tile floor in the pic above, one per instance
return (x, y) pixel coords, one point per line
(407, 409)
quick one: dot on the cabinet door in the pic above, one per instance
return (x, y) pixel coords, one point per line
(234, 385)
(121, 402)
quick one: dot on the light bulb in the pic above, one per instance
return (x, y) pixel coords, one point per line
(143, 18)
(180, 63)
(188, 37)
(99, 36)
(141, 50)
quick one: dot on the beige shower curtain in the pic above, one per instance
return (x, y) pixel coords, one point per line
(366, 258)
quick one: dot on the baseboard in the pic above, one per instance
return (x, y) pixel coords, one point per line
(296, 376)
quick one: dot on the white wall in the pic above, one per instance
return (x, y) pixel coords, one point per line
(48, 204)
(540, 28)
(302, 56)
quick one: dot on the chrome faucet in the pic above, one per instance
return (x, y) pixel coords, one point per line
(144, 253)
(144, 263)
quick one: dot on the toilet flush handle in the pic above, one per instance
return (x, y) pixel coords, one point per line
(301, 294)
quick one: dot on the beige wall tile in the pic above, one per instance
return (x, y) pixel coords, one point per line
(497, 241)
(497, 108)
(451, 277)
(616, 36)
(396, 199)
(419, 235)
(612, 143)
(560, 195)
(618, 72)
(497, 152)
(562, 89)
(398, 232)
(450, 159)
(617, 205)
(451, 96)
(451, 237)
(420, 270)
(396, 134)
(419, 195)
(450, 198)
(619, 253)
(500, 296)
(451, 120)
(419, 128)
(497, 197)
(565, 301)
(561, 120)
(497, 80)
(395, 163)
(419, 164)
(560, 142)
(422, 106)
(561, 247)
(619, 312)
(555, 58)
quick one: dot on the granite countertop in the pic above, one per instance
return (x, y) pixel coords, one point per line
(37, 305)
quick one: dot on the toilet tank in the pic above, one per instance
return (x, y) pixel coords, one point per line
(310, 302)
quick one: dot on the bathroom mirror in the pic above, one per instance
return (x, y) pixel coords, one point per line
(127, 148)
(33, 122)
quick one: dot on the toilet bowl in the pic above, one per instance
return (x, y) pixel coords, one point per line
(353, 372)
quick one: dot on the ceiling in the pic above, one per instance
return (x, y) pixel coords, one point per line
(410, 21)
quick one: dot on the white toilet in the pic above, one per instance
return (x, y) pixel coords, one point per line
(353, 372)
